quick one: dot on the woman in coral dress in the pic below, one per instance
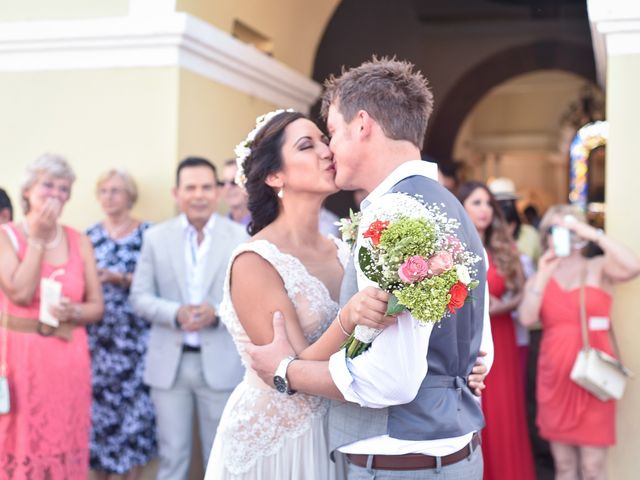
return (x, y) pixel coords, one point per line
(579, 426)
(45, 434)
(505, 439)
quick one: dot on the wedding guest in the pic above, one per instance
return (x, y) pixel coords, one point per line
(448, 175)
(527, 338)
(177, 286)
(6, 208)
(505, 439)
(234, 196)
(579, 426)
(45, 434)
(123, 422)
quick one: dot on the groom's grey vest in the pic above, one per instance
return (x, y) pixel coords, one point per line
(444, 406)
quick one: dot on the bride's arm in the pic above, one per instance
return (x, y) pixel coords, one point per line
(257, 291)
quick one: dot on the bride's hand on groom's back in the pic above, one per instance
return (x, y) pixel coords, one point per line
(368, 308)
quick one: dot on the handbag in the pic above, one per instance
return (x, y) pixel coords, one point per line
(5, 403)
(594, 370)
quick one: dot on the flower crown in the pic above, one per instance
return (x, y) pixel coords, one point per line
(243, 149)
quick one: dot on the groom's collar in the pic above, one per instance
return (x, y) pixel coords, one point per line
(407, 169)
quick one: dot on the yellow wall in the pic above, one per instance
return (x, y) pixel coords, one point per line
(295, 26)
(15, 10)
(98, 119)
(623, 172)
(214, 118)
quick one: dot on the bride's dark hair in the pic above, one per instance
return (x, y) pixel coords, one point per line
(265, 159)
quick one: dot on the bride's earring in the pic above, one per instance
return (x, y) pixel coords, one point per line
(281, 193)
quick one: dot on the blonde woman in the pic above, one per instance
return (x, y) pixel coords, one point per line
(579, 426)
(46, 431)
(123, 422)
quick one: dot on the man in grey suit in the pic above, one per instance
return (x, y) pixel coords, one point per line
(405, 408)
(177, 286)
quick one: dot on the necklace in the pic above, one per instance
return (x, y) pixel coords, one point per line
(49, 245)
(119, 229)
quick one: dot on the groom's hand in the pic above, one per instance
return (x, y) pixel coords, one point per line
(477, 376)
(266, 358)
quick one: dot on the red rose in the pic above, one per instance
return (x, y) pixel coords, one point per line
(374, 232)
(458, 295)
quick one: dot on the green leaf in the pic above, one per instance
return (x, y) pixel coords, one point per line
(394, 306)
(371, 271)
(473, 284)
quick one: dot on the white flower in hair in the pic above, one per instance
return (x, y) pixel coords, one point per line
(243, 149)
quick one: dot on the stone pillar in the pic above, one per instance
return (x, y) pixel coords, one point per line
(615, 26)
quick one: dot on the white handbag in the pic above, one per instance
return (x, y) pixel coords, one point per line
(5, 403)
(594, 370)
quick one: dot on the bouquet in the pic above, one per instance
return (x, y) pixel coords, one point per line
(412, 252)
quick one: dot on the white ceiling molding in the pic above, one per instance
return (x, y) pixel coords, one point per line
(615, 30)
(136, 41)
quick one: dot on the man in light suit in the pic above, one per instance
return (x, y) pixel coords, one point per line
(178, 286)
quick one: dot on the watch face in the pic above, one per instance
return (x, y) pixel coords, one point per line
(280, 384)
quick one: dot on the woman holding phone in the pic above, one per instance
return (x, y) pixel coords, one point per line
(579, 426)
(45, 432)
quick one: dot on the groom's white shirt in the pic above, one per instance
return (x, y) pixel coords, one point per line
(372, 380)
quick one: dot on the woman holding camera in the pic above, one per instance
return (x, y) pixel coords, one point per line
(579, 426)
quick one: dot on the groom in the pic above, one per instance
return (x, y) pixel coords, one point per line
(405, 408)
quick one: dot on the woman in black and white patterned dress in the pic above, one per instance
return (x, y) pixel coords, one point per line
(123, 431)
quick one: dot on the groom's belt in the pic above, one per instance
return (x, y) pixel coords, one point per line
(414, 461)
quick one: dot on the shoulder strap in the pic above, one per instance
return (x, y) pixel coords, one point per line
(12, 236)
(583, 308)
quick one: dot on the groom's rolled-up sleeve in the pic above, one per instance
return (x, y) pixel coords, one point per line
(391, 371)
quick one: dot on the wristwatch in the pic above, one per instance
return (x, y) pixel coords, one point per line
(280, 377)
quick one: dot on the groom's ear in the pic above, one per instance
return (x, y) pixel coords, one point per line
(364, 123)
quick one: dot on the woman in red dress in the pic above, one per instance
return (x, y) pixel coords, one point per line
(579, 426)
(505, 439)
(45, 434)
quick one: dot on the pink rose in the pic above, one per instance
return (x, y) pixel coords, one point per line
(413, 269)
(439, 263)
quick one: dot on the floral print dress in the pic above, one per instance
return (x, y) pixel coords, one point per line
(123, 419)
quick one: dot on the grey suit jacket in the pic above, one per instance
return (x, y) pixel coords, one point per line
(159, 289)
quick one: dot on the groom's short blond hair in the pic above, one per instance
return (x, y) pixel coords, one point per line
(389, 90)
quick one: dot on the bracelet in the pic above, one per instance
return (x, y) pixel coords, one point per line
(37, 245)
(535, 291)
(347, 334)
(599, 235)
(75, 314)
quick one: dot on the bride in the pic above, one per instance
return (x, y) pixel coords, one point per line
(287, 168)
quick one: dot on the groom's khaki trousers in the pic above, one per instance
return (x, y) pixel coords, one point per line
(174, 417)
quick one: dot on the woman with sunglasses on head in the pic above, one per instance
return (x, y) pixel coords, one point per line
(579, 426)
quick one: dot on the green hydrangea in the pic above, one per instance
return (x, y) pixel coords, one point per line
(427, 300)
(406, 237)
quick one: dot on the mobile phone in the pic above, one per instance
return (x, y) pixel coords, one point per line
(561, 241)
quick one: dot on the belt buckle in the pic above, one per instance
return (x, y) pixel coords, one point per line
(45, 330)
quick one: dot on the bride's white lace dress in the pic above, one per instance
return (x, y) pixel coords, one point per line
(263, 434)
